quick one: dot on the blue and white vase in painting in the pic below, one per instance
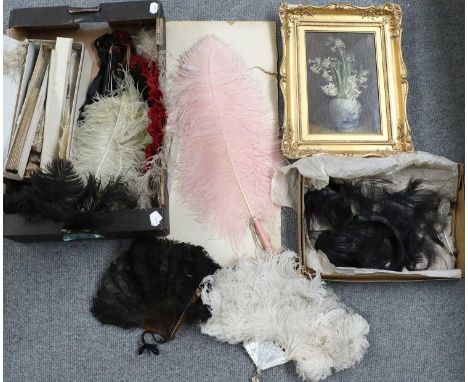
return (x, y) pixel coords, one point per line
(345, 114)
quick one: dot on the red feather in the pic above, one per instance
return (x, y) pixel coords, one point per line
(157, 111)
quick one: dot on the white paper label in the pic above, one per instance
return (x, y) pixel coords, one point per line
(154, 8)
(155, 218)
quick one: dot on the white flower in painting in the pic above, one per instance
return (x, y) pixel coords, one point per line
(330, 89)
(352, 89)
(327, 76)
(349, 58)
(355, 84)
(316, 65)
(326, 62)
(340, 44)
(362, 78)
(335, 43)
(342, 78)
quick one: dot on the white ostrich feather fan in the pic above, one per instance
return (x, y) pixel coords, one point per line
(266, 299)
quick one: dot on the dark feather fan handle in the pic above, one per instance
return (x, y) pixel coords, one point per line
(179, 323)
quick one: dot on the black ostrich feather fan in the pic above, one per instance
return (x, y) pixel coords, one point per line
(364, 224)
(154, 286)
(60, 194)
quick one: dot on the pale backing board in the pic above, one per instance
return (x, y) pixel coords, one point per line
(255, 43)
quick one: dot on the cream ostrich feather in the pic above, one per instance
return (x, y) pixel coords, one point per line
(146, 45)
(110, 139)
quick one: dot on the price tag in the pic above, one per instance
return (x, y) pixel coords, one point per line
(154, 8)
(155, 218)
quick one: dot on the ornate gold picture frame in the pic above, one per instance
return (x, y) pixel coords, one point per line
(343, 81)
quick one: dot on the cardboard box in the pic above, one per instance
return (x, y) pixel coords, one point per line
(46, 23)
(458, 228)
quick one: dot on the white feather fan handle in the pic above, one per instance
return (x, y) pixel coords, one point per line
(228, 141)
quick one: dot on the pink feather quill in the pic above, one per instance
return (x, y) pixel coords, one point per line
(228, 141)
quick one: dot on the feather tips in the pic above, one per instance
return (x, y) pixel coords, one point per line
(228, 144)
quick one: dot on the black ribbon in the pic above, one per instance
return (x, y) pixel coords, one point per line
(148, 346)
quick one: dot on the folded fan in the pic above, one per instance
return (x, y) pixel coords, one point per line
(153, 286)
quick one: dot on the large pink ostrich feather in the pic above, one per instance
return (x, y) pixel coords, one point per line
(229, 143)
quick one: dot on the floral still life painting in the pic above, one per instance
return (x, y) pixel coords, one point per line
(343, 80)
(342, 83)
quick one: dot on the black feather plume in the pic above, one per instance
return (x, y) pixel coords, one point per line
(52, 193)
(364, 224)
(58, 193)
(151, 286)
